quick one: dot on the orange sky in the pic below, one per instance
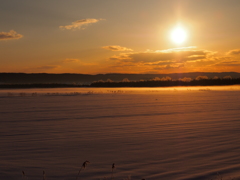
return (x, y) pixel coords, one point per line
(119, 36)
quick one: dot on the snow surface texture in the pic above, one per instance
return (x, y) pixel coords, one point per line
(150, 133)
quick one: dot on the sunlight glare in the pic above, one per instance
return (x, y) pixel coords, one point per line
(178, 35)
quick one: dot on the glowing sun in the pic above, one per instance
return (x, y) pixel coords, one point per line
(178, 35)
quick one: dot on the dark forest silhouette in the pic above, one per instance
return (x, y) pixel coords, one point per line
(126, 83)
(45, 78)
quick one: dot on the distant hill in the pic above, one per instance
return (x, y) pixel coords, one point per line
(21, 78)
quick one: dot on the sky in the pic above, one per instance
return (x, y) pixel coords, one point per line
(119, 36)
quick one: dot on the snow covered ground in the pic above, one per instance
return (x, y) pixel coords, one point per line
(151, 133)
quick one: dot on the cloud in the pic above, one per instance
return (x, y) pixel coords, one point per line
(69, 60)
(48, 67)
(229, 63)
(76, 62)
(226, 61)
(169, 67)
(116, 48)
(10, 35)
(169, 56)
(234, 52)
(169, 60)
(80, 23)
(186, 59)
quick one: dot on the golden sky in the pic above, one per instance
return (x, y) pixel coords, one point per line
(119, 36)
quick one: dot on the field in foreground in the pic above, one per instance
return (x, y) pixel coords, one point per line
(149, 133)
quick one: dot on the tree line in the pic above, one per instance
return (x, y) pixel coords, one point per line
(156, 82)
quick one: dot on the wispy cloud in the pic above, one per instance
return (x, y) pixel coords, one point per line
(76, 62)
(229, 62)
(234, 52)
(116, 48)
(10, 35)
(80, 24)
(70, 60)
(169, 60)
(160, 56)
(48, 67)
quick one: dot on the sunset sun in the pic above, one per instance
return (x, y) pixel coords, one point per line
(178, 35)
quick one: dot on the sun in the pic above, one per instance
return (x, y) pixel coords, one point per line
(178, 35)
